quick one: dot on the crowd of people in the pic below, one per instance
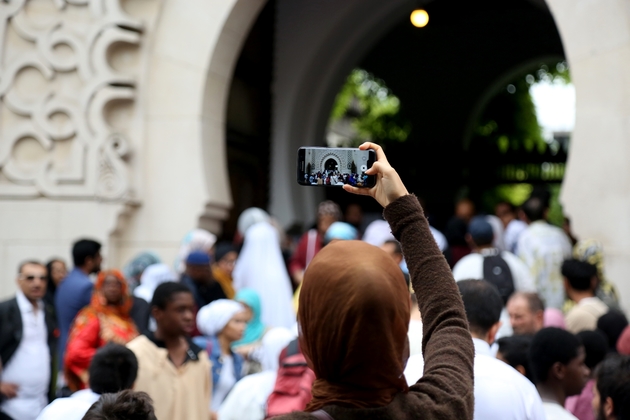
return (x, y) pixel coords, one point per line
(504, 316)
(334, 177)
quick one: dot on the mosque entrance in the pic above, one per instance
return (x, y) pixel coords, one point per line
(446, 76)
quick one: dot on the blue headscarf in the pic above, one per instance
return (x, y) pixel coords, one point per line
(255, 328)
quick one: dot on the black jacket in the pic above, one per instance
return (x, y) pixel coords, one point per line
(11, 331)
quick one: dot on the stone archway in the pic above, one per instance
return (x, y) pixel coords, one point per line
(185, 170)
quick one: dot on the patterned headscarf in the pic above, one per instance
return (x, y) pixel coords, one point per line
(134, 269)
(99, 302)
(592, 252)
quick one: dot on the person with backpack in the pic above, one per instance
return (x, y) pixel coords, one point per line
(354, 314)
(501, 268)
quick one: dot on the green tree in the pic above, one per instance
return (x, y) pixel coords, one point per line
(509, 120)
(371, 108)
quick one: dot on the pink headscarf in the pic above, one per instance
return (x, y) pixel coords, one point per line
(623, 344)
(554, 318)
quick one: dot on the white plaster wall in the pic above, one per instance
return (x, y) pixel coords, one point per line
(41, 229)
(596, 189)
(185, 181)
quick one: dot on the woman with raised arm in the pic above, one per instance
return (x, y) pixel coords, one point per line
(354, 314)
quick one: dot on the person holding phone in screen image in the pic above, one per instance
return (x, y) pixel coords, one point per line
(354, 313)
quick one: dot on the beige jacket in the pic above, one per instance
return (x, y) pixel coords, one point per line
(585, 314)
(182, 393)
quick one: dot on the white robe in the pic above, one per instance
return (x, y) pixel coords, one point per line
(260, 266)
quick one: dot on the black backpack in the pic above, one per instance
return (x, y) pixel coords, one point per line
(497, 272)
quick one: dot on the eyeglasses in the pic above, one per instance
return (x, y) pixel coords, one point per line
(31, 277)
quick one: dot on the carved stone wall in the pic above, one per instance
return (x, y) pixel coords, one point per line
(57, 78)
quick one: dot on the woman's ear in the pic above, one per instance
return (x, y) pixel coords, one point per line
(609, 408)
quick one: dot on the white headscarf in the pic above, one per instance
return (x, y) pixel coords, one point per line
(272, 344)
(151, 278)
(250, 217)
(212, 318)
(260, 266)
(377, 233)
(195, 240)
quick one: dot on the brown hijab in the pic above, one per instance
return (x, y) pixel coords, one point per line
(353, 316)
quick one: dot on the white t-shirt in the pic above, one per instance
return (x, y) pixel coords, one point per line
(555, 411)
(248, 398)
(29, 367)
(512, 233)
(71, 408)
(227, 379)
(501, 392)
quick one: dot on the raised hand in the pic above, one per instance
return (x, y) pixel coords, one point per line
(388, 186)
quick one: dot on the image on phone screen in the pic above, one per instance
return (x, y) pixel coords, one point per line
(334, 167)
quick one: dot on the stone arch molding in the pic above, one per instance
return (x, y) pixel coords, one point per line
(322, 162)
(81, 156)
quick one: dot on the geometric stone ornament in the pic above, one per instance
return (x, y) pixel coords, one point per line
(56, 81)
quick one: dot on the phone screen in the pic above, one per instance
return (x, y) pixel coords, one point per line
(334, 167)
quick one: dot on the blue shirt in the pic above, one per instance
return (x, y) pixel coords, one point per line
(213, 348)
(73, 294)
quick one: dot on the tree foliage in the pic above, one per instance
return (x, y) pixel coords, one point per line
(509, 120)
(371, 108)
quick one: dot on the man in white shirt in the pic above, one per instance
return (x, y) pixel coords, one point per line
(480, 236)
(543, 247)
(113, 368)
(580, 282)
(27, 344)
(556, 359)
(501, 268)
(501, 392)
(512, 226)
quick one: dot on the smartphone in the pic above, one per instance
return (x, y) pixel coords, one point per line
(334, 167)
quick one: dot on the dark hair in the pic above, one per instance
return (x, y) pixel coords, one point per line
(510, 206)
(113, 368)
(483, 304)
(534, 208)
(613, 380)
(29, 262)
(455, 232)
(126, 405)
(51, 286)
(222, 249)
(397, 247)
(164, 293)
(595, 345)
(549, 346)
(612, 324)
(578, 273)
(82, 249)
(515, 349)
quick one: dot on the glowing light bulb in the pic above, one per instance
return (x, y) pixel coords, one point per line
(419, 18)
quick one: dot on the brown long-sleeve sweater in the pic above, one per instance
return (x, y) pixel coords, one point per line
(446, 389)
